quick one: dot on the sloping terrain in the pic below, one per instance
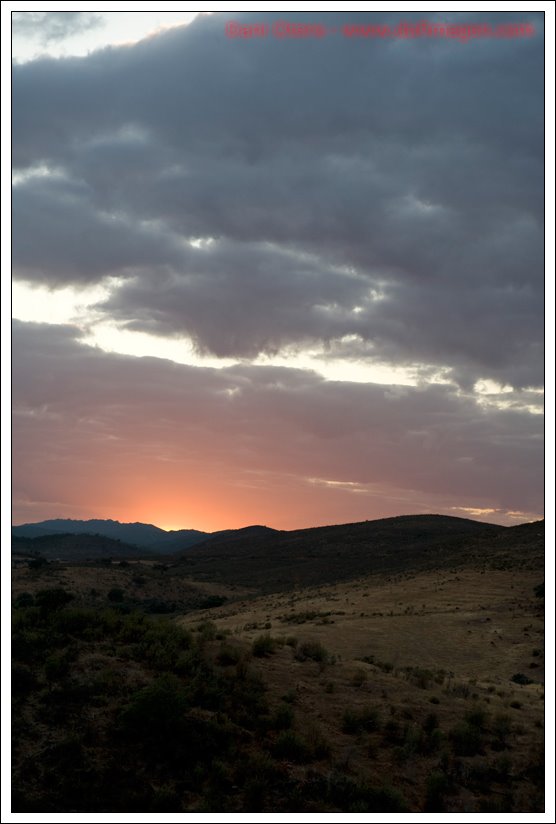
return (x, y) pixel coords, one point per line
(412, 682)
(284, 560)
(72, 547)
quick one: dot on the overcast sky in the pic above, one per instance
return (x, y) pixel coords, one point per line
(280, 281)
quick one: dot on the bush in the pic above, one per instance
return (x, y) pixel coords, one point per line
(476, 718)
(501, 729)
(291, 747)
(23, 680)
(283, 717)
(520, 678)
(263, 646)
(212, 601)
(430, 723)
(437, 785)
(50, 600)
(25, 599)
(312, 650)
(228, 655)
(37, 563)
(355, 796)
(359, 677)
(155, 712)
(358, 720)
(116, 595)
(466, 739)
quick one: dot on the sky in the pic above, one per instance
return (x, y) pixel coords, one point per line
(289, 281)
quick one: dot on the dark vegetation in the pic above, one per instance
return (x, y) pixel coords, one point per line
(64, 546)
(137, 714)
(117, 708)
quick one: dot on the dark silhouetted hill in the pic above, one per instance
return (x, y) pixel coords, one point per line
(145, 536)
(73, 547)
(274, 561)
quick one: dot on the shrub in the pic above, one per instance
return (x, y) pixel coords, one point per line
(430, 723)
(520, 678)
(50, 600)
(291, 747)
(156, 711)
(25, 599)
(23, 680)
(466, 739)
(116, 595)
(501, 729)
(37, 563)
(476, 718)
(282, 718)
(355, 796)
(313, 650)
(359, 677)
(263, 646)
(358, 720)
(212, 601)
(438, 785)
(228, 655)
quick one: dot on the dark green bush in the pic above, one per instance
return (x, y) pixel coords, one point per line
(438, 784)
(465, 738)
(263, 645)
(212, 601)
(520, 678)
(50, 600)
(359, 720)
(155, 712)
(312, 650)
(476, 718)
(228, 655)
(358, 796)
(282, 718)
(291, 747)
(25, 599)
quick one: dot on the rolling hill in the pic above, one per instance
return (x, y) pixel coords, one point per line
(284, 560)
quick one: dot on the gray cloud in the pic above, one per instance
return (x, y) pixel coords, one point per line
(326, 172)
(49, 26)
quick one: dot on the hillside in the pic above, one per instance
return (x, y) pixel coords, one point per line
(383, 666)
(73, 547)
(285, 560)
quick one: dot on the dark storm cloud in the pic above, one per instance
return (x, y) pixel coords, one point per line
(328, 173)
(79, 410)
(50, 26)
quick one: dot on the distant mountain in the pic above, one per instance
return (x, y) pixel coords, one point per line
(145, 536)
(67, 547)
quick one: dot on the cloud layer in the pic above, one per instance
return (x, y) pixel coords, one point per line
(96, 425)
(325, 174)
(381, 201)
